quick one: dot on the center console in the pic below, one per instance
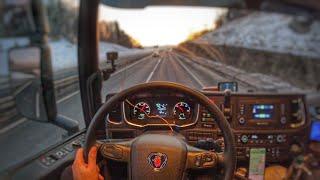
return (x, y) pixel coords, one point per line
(278, 123)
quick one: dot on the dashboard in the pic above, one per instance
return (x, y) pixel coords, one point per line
(276, 122)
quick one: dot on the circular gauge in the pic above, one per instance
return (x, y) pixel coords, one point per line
(182, 111)
(141, 109)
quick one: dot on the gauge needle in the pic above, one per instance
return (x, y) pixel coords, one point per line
(180, 108)
(142, 109)
(157, 116)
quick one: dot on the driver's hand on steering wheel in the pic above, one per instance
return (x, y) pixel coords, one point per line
(83, 171)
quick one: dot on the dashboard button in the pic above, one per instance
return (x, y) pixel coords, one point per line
(69, 148)
(244, 138)
(206, 125)
(198, 161)
(112, 151)
(48, 161)
(59, 154)
(208, 158)
(207, 119)
(76, 144)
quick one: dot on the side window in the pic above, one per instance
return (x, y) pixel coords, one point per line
(25, 128)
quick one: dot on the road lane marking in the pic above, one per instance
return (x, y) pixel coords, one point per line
(12, 125)
(193, 76)
(153, 70)
(37, 104)
(131, 65)
(67, 97)
(18, 90)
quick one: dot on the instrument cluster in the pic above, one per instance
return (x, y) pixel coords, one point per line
(160, 110)
(180, 111)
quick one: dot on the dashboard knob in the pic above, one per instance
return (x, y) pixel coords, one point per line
(242, 121)
(244, 138)
(280, 138)
(283, 120)
(296, 149)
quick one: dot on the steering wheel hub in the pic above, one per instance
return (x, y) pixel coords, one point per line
(156, 155)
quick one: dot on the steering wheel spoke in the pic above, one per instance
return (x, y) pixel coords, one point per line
(201, 159)
(116, 150)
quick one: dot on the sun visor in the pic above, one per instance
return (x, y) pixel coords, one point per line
(144, 3)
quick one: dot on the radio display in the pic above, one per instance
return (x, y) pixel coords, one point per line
(315, 131)
(262, 111)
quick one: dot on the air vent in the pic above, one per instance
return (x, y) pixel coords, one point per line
(298, 113)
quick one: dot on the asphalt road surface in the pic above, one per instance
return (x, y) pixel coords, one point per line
(31, 137)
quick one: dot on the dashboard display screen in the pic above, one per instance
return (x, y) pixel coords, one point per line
(262, 111)
(315, 131)
(147, 110)
(232, 86)
(162, 109)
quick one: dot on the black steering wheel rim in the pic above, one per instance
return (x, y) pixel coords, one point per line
(229, 151)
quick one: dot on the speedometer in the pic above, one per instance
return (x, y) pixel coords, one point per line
(141, 109)
(182, 111)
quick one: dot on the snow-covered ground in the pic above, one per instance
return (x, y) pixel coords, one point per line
(268, 32)
(64, 54)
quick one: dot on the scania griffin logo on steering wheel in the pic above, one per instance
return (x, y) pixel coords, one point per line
(157, 161)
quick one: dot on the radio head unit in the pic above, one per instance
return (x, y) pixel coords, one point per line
(271, 112)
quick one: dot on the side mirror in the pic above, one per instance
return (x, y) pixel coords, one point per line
(24, 65)
(111, 57)
(25, 59)
(30, 67)
(25, 72)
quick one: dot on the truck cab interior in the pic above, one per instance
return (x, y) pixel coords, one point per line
(174, 123)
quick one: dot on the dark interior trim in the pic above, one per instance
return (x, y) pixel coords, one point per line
(88, 57)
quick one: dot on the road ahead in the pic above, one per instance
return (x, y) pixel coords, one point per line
(169, 66)
(31, 137)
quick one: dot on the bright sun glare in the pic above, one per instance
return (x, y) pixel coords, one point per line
(161, 25)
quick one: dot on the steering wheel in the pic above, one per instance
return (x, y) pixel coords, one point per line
(160, 154)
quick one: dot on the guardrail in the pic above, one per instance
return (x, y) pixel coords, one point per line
(66, 81)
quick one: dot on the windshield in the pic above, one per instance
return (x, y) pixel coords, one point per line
(199, 47)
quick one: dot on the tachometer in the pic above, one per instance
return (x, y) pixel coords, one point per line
(182, 111)
(140, 110)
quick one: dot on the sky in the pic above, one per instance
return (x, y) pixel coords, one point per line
(161, 25)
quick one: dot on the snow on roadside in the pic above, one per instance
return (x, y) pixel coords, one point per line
(64, 53)
(269, 32)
